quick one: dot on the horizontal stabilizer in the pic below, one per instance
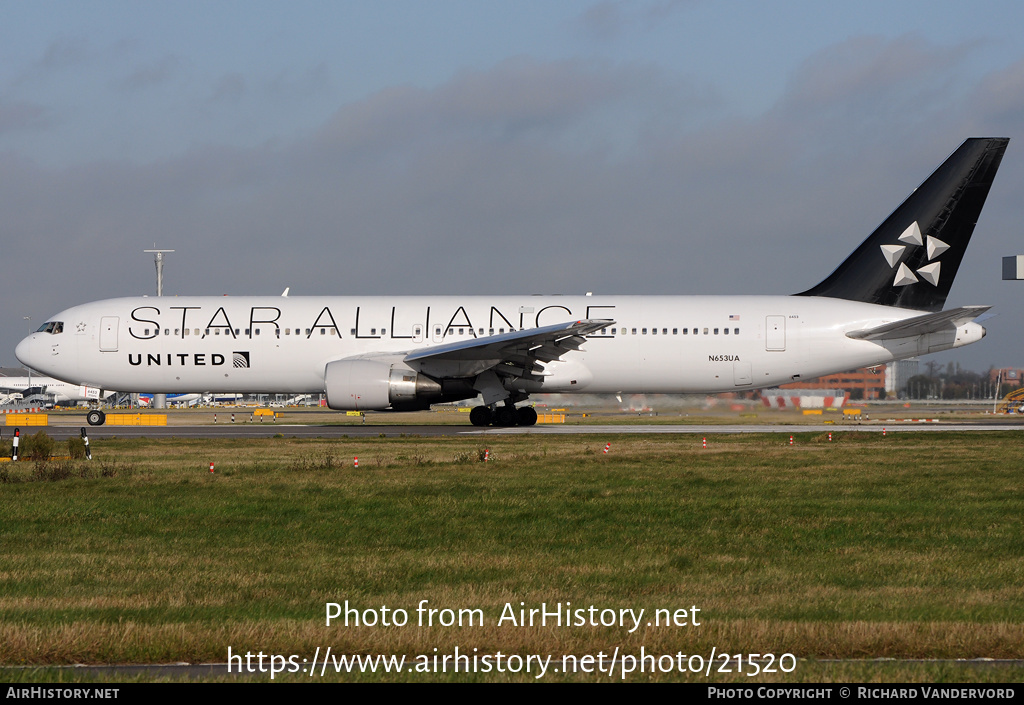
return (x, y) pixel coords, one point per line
(921, 325)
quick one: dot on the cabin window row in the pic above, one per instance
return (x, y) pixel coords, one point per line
(665, 331)
(437, 331)
(238, 331)
(608, 331)
(465, 330)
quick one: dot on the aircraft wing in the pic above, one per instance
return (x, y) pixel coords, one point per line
(921, 325)
(512, 353)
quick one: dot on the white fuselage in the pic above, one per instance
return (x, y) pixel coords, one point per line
(60, 390)
(657, 344)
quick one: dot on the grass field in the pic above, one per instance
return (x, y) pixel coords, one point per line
(903, 546)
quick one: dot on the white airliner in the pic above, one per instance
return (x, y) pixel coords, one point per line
(883, 303)
(61, 391)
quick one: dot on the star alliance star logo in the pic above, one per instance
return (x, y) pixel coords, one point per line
(912, 236)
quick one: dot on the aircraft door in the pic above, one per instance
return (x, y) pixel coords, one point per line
(775, 333)
(741, 374)
(108, 334)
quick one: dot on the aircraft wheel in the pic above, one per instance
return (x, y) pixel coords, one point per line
(480, 416)
(95, 417)
(505, 416)
(526, 416)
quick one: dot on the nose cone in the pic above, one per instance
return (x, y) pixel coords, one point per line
(27, 352)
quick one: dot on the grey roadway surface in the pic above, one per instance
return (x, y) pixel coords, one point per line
(267, 430)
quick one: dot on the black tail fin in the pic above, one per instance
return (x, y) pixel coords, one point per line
(911, 258)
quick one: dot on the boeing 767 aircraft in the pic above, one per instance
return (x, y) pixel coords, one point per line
(883, 303)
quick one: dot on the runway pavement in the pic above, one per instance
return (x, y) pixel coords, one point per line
(242, 422)
(249, 430)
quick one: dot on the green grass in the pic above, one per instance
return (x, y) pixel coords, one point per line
(905, 546)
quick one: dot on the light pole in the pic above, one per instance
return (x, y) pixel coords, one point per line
(159, 269)
(159, 400)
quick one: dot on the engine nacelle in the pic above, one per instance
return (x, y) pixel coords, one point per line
(374, 385)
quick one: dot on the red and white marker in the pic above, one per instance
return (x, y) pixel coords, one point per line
(211, 466)
(883, 430)
(790, 440)
(355, 462)
(704, 444)
(487, 455)
(607, 447)
(14, 448)
(829, 436)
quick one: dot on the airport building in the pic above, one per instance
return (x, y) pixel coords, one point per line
(864, 383)
(1011, 376)
(882, 381)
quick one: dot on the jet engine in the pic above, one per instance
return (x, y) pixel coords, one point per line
(376, 385)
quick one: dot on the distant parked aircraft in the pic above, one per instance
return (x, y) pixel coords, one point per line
(61, 391)
(187, 399)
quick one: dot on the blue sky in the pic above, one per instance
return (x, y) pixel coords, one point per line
(624, 147)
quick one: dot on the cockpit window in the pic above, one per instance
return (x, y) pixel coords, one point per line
(51, 327)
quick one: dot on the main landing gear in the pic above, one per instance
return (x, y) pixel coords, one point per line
(507, 415)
